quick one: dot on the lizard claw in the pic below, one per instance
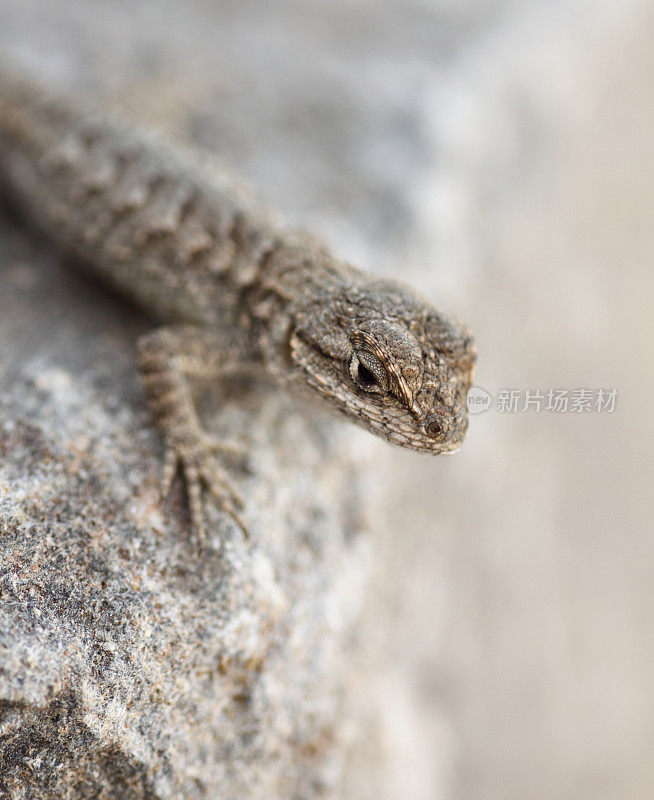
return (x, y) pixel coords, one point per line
(237, 452)
(231, 448)
(201, 470)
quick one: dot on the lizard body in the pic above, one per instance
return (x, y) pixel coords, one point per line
(233, 288)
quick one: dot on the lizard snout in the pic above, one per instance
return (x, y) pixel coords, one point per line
(436, 427)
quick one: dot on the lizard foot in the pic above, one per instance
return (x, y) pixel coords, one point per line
(234, 450)
(200, 470)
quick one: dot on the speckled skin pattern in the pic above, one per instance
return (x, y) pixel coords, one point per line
(232, 288)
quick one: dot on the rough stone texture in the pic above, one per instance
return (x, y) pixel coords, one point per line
(496, 153)
(133, 664)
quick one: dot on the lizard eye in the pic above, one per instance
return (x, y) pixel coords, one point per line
(368, 373)
(365, 376)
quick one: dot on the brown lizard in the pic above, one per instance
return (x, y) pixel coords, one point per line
(233, 289)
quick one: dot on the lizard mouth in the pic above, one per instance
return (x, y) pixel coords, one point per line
(437, 434)
(441, 430)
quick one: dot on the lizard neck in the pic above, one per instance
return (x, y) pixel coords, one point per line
(299, 275)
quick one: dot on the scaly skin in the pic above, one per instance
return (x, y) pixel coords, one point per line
(190, 247)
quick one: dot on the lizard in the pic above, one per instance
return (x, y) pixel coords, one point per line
(230, 288)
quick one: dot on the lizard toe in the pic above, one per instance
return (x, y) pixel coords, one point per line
(201, 471)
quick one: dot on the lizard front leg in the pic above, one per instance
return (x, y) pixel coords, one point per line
(167, 358)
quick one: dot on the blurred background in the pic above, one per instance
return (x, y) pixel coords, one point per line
(497, 155)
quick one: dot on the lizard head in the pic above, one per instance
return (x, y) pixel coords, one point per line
(388, 361)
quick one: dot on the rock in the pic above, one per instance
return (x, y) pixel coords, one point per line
(134, 663)
(496, 154)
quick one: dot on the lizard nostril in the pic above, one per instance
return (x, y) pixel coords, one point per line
(434, 426)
